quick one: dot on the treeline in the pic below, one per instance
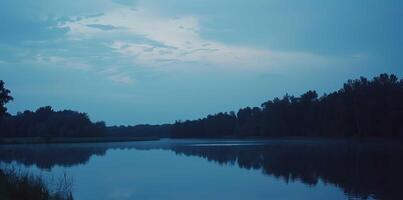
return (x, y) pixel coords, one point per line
(45, 122)
(144, 130)
(362, 108)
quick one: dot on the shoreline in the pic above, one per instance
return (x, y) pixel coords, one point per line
(61, 140)
(72, 140)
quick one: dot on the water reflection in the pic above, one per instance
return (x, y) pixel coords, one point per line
(360, 169)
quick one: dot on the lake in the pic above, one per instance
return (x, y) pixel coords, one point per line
(282, 169)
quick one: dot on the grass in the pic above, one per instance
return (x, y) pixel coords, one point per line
(15, 185)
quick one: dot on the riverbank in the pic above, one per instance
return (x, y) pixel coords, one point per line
(15, 185)
(44, 140)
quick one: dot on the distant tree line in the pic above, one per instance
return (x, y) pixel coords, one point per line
(362, 108)
(143, 130)
(45, 122)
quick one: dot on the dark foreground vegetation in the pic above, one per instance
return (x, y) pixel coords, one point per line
(24, 186)
(362, 108)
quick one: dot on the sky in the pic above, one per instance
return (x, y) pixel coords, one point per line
(157, 61)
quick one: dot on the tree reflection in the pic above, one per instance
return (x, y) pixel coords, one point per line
(361, 169)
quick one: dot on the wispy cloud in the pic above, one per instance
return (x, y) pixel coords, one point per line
(119, 35)
(72, 63)
(181, 42)
(121, 78)
(116, 75)
(102, 27)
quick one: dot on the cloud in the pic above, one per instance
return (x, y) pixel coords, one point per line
(121, 78)
(126, 2)
(56, 61)
(180, 39)
(116, 75)
(115, 34)
(103, 27)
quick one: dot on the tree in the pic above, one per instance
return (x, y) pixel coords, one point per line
(4, 99)
(361, 108)
(45, 122)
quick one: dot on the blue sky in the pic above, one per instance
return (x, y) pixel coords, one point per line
(157, 61)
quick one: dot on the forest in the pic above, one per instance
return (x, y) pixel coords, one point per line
(141, 130)
(362, 108)
(45, 122)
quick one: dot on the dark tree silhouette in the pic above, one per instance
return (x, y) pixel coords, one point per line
(145, 130)
(4, 99)
(45, 122)
(362, 108)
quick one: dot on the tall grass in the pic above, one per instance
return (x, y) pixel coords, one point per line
(19, 185)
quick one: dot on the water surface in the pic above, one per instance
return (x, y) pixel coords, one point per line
(219, 169)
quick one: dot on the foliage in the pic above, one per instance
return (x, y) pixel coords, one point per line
(4, 99)
(21, 186)
(158, 131)
(362, 108)
(45, 122)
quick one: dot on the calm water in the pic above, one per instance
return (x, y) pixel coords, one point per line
(219, 169)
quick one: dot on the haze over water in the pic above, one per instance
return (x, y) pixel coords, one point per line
(284, 72)
(219, 169)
